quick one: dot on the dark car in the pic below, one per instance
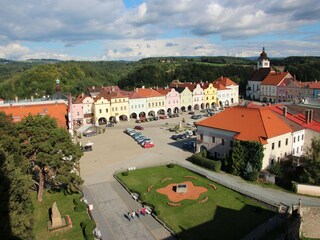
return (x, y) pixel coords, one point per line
(90, 134)
(110, 125)
(138, 127)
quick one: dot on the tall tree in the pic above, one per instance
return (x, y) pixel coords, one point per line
(238, 158)
(52, 155)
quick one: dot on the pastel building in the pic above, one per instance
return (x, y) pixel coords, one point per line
(185, 98)
(210, 96)
(198, 97)
(137, 105)
(155, 101)
(227, 91)
(101, 108)
(172, 97)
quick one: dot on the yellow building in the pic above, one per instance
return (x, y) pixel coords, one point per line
(210, 95)
(101, 109)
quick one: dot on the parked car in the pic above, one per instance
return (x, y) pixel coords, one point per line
(141, 139)
(189, 145)
(146, 140)
(90, 134)
(191, 112)
(191, 123)
(163, 117)
(175, 136)
(110, 125)
(138, 127)
(148, 145)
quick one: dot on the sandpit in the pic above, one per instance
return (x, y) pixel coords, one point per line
(193, 192)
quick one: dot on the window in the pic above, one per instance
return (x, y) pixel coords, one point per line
(302, 137)
(272, 147)
(201, 137)
(231, 143)
(286, 141)
(298, 138)
(297, 149)
(293, 151)
(222, 141)
(100, 110)
(106, 110)
(213, 139)
(279, 144)
(294, 139)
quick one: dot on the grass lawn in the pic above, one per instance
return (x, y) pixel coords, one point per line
(65, 206)
(226, 214)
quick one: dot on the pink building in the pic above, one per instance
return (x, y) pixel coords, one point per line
(172, 102)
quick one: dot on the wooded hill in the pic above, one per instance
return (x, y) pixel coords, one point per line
(37, 77)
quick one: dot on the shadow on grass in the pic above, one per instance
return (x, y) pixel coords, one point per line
(228, 224)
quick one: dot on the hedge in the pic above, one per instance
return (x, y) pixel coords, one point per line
(205, 162)
(79, 206)
(87, 228)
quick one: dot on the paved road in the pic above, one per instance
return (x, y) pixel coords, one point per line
(115, 150)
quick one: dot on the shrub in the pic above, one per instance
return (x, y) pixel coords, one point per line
(126, 173)
(252, 176)
(204, 162)
(170, 165)
(79, 206)
(87, 228)
(294, 186)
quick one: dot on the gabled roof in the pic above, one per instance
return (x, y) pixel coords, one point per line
(80, 98)
(249, 124)
(219, 86)
(225, 81)
(275, 78)
(148, 92)
(314, 85)
(260, 74)
(55, 110)
(164, 91)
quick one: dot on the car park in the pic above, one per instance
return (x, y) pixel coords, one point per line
(138, 127)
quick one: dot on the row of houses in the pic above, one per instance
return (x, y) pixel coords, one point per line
(111, 104)
(282, 132)
(269, 85)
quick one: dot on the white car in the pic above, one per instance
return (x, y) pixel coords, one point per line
(191, 123)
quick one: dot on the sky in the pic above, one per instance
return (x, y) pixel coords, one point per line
(133, 29)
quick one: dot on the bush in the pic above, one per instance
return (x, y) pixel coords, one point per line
(204, 162)
(252, 176)
(79, 206)
(87, 228)
(125, 173)
(170, 165)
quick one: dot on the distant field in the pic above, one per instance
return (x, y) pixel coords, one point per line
(225, 215)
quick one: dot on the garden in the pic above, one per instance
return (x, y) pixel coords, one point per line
(205, 209)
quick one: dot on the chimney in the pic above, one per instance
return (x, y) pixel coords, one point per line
(310, 115)
(307, 116)
(284, 111)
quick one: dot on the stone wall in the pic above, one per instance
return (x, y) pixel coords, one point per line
(308, 190)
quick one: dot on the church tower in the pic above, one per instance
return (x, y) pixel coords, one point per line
(263, 60)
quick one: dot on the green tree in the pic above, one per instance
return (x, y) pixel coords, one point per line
(51, 153)
(237, 159)
(311, 173)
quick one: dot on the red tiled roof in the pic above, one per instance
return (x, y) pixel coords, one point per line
(225, 81)
(250, 124)
(298, 118)
(148, 92)
(55, 110)
(275, 78)
(80, 98)
(314, 85)
(219, 86)
(164, 91)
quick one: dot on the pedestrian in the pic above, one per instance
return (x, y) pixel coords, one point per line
(133, 214)
(137, 213)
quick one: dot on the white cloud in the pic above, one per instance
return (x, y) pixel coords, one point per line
(13, 51)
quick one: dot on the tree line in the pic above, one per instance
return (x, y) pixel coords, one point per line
(37, 78)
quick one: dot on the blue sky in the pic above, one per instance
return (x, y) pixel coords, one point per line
(135, 29)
